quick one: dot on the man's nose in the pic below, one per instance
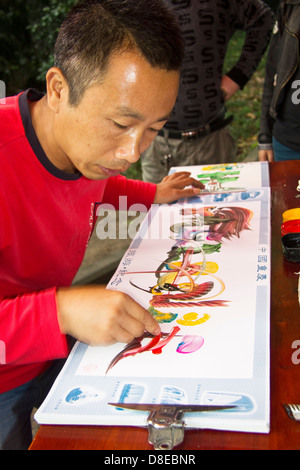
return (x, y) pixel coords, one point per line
(129, 149)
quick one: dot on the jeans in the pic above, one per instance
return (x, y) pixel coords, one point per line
(16, 407)
(282, 153)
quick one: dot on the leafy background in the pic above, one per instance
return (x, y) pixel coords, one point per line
(27, 35)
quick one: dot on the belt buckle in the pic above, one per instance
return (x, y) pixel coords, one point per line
(194, 134)
(190, 135)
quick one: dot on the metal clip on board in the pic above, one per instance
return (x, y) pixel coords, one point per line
(165, 422)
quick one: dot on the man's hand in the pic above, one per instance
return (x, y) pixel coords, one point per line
(176, 186)
(98, 316)
(229, 87)
(266, 155)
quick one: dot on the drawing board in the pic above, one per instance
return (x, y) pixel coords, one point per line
(202, 269)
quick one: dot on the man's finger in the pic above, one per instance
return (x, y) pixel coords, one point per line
(188, 192)
(142, 316)
(187, 180)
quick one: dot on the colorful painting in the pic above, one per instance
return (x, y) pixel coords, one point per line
(202, 268)
(190, 287)
(230, 177)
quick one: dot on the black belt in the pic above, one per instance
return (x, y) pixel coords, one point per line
(197, 133)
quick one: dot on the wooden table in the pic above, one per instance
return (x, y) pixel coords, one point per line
(285, 373)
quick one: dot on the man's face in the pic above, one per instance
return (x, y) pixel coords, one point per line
(115, 120)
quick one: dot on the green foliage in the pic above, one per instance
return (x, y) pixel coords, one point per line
(43, 27)
(14, 39)
(27, 36)
(245, 105)
(273, 4)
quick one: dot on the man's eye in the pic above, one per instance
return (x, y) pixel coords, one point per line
(119, 126)
(154, 130)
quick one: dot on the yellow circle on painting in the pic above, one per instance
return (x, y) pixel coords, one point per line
(210, 267)
(291, 214)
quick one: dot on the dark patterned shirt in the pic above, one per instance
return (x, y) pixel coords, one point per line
(287, 126)
(207, 27)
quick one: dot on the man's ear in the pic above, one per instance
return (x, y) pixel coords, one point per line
(57, 89)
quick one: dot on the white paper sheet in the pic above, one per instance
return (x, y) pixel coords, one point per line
(202, 267)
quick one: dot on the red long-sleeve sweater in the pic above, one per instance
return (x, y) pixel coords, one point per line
(46, 219)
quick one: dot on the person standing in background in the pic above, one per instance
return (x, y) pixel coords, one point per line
(198, 132)
(279, 137)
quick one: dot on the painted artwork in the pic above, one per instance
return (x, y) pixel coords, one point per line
(189, 282)
(201, 267)
(229, 177)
